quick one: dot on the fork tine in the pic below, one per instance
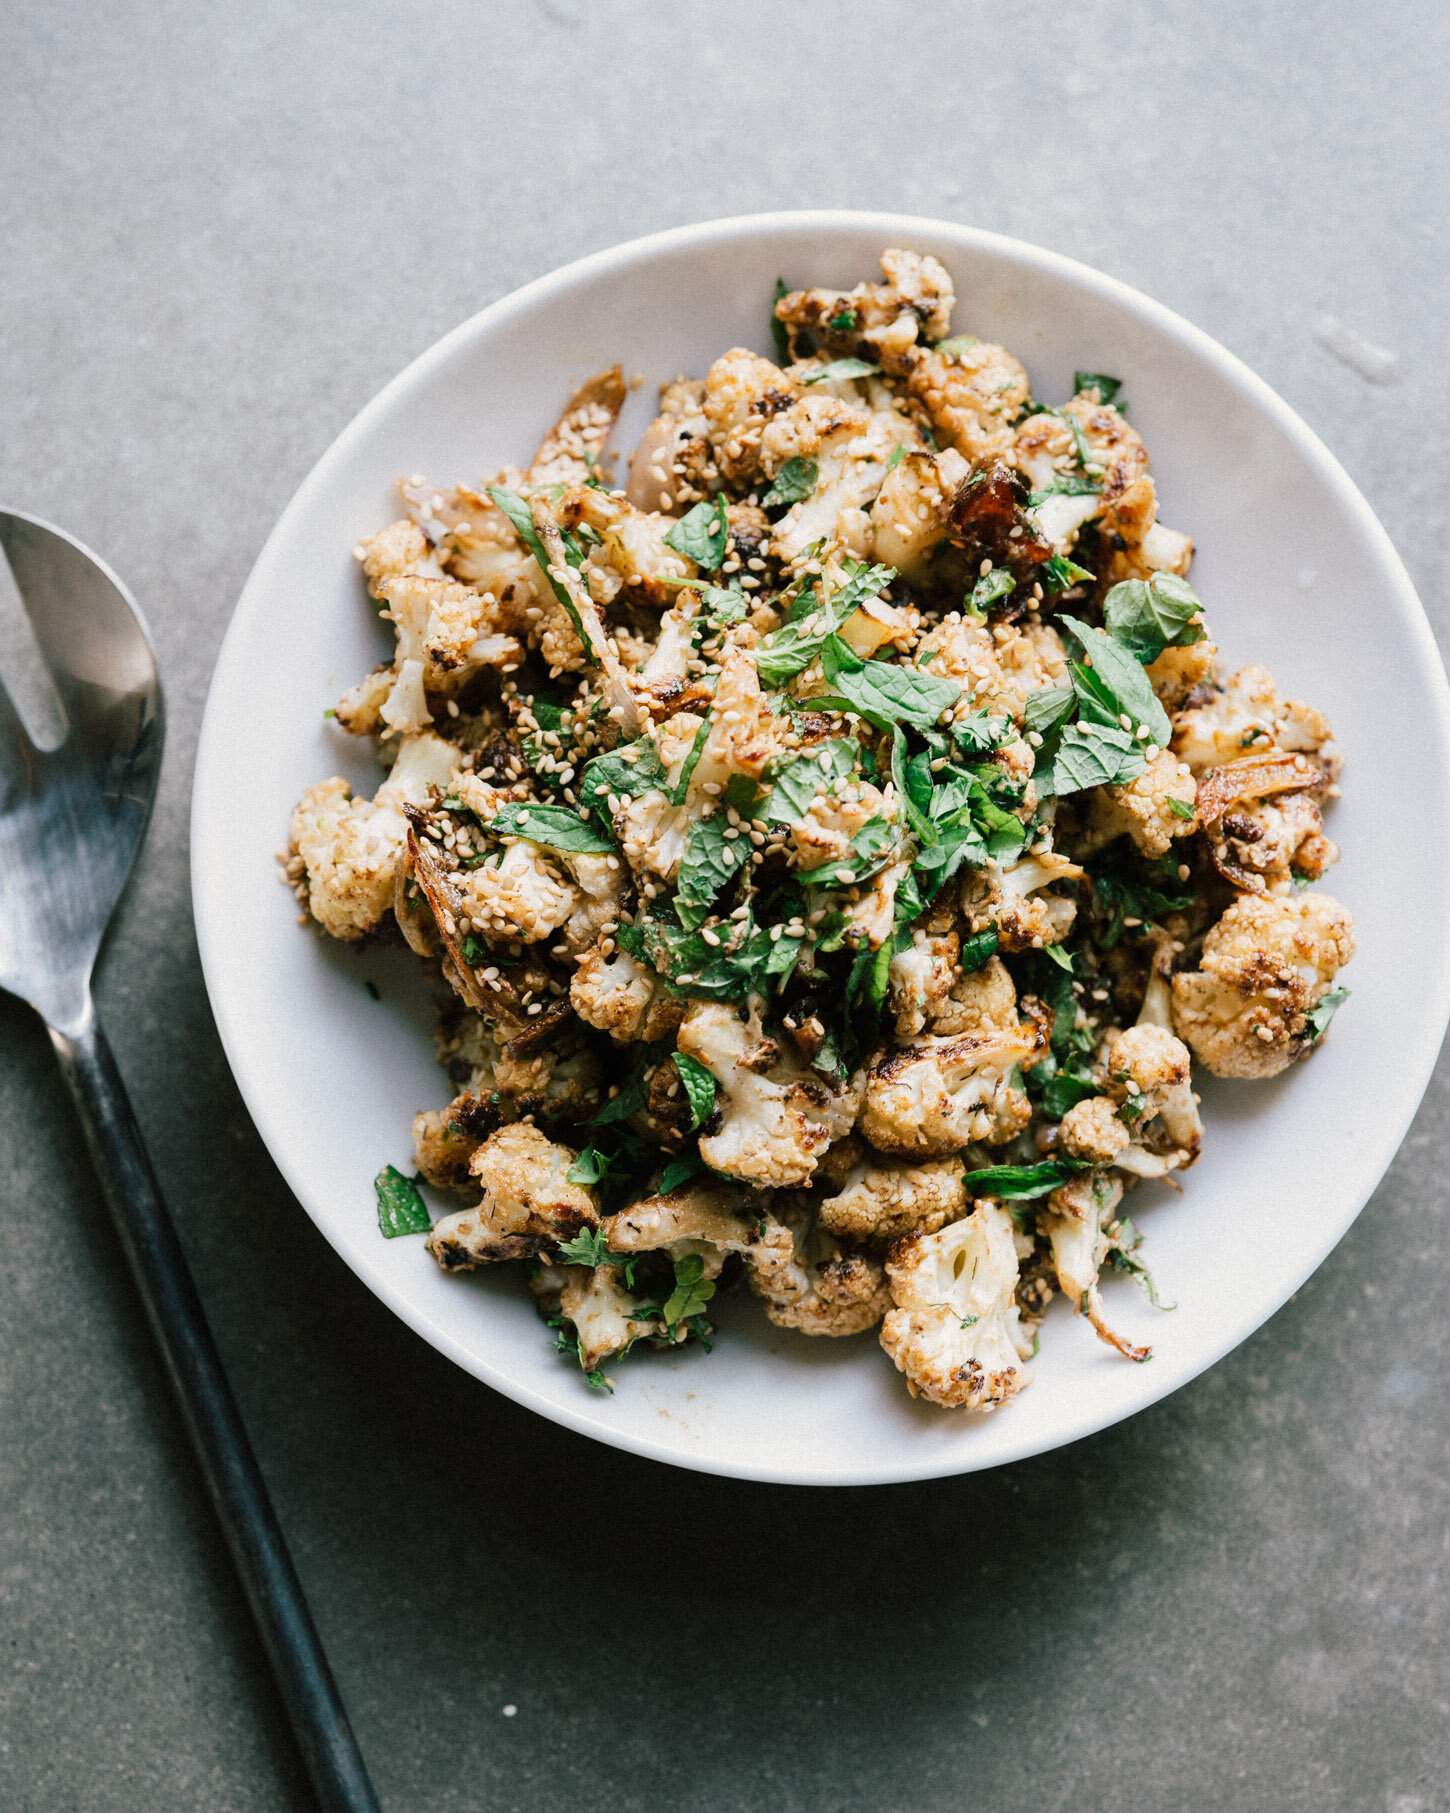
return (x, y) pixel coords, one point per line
(75, 601)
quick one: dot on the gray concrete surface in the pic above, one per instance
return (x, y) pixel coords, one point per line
(221, 228)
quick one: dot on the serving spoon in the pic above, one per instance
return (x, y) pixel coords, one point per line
(74, 801)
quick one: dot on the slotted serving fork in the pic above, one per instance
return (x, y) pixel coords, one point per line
(72, 817)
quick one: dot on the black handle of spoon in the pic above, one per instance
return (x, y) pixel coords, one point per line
(333, 1761)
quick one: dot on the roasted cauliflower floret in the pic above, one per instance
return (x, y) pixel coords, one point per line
(809, 1282)
(956, 1331)
(823, 833)
(515, 894)
(1016, 901)
(743, 736)
(606, 1315)
(1244, 1011)
(529, 1205)
(982, 1000)
(1149, 1076)
(631, 553)
(572, 450)
(1079, 1223)
(1144, 809)
(445, 1139)
(401, 551)
(1091, 1130)
(850, 449)
(776, 1116)
(353, 849)
(1147, 1120)
(623, 998)
(920, 980)
(934, 1096)
(912, 511)
(876, 318)
(880, 1201)
(672, 461)
(702, 1217)
(1246, 716)
(742, 393)
(1261, 815)
(444, 634)
(1177, 671)
(971, 393)
(998, 666)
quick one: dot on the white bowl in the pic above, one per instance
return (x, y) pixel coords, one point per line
(1294, 571)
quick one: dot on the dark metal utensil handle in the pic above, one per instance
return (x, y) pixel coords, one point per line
(148, 1235)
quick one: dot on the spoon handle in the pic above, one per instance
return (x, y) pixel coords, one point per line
(148, 1235)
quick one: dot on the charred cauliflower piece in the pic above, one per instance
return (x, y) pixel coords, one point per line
(914, 303)
(1147, 1122)
(623, 998)
(1079, 1225)
(776, 1117)
(703, 1218)
(934, 1096)
(1144, 808)
(956, 1331)
(1246, 716)
(808, 1281)
(352, 850)
(529, 1205)
(607, 1317)
(998, 666)
(1245, 1011)
(880, 1201)
(1262, 817)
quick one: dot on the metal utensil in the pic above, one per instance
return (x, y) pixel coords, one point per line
(71, 821)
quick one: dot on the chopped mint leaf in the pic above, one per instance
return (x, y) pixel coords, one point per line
(884, 693)
(1059, 573)
(840, 369)
(1118, 681)
(680, 1170)
(999, 583)
(1180, 808)
(1147, 616)
(555, 827)
(401, 1210)
(1022, 1182)
(519, 514)
(1107, 388)
(1067, 484)
(978, 950)
(699, 1085)
(712, 856)
(788, 650)
(1325, 1009)
(702, 534)
(795, 480)
(626, 773)
(821, 768)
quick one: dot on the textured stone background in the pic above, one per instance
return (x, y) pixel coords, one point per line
(221, 229)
